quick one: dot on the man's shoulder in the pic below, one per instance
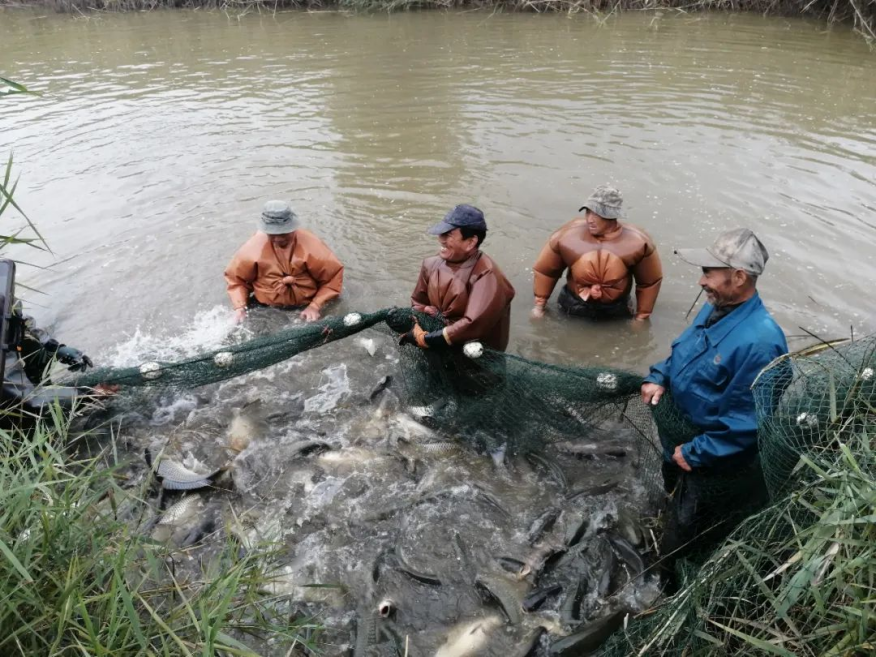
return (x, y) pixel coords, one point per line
(638, 234)
(253, 246)
(761, 333)
(432, 262)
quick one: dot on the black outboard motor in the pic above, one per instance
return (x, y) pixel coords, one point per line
(17, 388)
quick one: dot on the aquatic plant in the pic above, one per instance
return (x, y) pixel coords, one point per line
(860, 13)
(76, 577)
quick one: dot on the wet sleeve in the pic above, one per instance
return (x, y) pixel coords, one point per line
(327, 271)
(420, 296)
(659, 373)
(737, 414)
(239, 276)
(485, 306)
(648, 274)
(548, 268)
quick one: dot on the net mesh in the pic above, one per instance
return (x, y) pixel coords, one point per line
(795, 578)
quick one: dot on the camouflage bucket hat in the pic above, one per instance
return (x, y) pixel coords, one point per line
(277, 218)
(606, 201)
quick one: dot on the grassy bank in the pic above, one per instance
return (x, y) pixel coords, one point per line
(79, 575)
(859, 13)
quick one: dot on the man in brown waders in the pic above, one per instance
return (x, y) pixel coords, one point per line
(464, 288)
(283, 266)
(604, 257)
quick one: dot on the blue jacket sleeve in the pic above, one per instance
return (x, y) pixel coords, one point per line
(738, 417)
(659, 373)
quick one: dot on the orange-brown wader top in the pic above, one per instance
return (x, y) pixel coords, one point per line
(473, 296)
(601, 269)
(258, 267)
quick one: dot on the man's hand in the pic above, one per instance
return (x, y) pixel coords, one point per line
(537, 312)
(415, 336)
(288, 280)
(431, 311)
(310, 314)
(651, 393)
(239, 315)
(678, 458)
(106, 389)
(75, 359)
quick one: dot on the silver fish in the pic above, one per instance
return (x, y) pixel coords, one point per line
(469, 638)
(175, 476)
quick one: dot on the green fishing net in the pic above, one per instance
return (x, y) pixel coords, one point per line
(760, 591)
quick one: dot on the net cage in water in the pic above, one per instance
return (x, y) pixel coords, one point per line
(797, 577)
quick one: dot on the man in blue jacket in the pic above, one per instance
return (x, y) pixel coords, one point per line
(715, 475)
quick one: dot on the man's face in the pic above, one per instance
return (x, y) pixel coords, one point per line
(597, 225)
(720, 285)
(280, 241)
(454, 248)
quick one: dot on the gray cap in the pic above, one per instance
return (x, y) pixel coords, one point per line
(736, 249)
(606, 201)
(277, 218)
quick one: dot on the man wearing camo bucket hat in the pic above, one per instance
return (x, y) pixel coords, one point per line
(283, 266)
(604, 257)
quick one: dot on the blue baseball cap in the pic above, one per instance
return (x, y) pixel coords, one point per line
(462, 216)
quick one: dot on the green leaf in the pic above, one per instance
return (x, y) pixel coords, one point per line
(15, 562)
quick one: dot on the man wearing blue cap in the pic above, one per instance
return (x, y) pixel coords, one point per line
(463, 286)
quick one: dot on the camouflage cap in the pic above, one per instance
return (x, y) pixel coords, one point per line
(606, 201)
(278, 218)
(736, 249)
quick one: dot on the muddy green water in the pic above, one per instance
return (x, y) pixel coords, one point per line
(158, 136)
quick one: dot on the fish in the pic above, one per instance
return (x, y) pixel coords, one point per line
(404, 567)
(431, 410)
(432, 449)
(243, 428)
(386, 608)
(186, 509)
(175, 476)
(528, 644)
(542, 524)
(576, 528)
(538, 597)
(593, 491)
(491, 500)
(570, 610)
(551, 466)
(366, 633)
(576, 448)
(536, 562)
(629, 555)
(508, 594)
(369, 344)
(382, 385)
(184, 523)
(307, 447)
(467, 639)
(589, 637)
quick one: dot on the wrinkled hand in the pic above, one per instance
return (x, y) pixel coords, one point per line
(431, 311)
(416, 336)
(106, 389)
(537, 312)
(311, 313)
(288, 280)
(678, 457)
(651, 393)
(77, 361)
(239, 315)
